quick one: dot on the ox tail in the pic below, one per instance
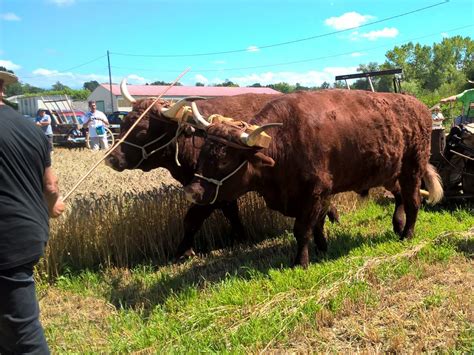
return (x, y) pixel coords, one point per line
(432, 181)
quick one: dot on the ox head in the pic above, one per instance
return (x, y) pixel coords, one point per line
(229, 164)
(155, 129)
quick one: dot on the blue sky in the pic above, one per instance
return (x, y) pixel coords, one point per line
(270, 41)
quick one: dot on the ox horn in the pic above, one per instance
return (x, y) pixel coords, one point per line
(124, 91)
(250, 139)
(173, 110)
(198, 117)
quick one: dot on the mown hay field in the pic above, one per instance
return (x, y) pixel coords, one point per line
(107, 283)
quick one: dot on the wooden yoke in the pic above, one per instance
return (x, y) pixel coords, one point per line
(184, 114)
(262, 140)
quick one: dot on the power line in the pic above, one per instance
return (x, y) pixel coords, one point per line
(282, 43)
(299, 61)
(68, 69)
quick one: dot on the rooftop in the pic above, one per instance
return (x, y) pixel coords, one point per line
(206, 91)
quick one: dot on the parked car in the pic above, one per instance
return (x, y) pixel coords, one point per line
(115, 119)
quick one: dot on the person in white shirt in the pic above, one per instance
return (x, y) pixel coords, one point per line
(437, 116)
(96, 122)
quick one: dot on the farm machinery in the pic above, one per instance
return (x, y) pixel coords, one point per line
(453, 156)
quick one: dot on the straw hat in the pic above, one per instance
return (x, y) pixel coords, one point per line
(8, 78)
(470, 81)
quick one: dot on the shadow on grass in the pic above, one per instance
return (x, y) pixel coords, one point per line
(243, 262)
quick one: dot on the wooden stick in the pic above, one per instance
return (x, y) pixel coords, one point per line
(125, 136)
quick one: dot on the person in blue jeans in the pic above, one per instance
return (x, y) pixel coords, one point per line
(44, 121)
(29, 195)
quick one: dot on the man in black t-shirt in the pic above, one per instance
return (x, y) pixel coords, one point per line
(28, 195)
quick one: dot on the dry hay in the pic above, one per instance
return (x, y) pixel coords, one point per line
(121, 219)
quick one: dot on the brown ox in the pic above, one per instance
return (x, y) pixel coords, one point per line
(156, 135)
(331, 141)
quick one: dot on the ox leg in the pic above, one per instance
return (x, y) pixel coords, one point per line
(193, 221)
(410, 188)
(304, 228)
(398, 214)
(231, 212)
(333, 215)
(320, 241)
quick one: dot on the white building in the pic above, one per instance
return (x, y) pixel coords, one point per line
(29, 105)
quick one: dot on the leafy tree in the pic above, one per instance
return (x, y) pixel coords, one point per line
(227, 83)
(164, 83)
(90, 85)
(282, 87)
(199, 84)
(325, 85)
(59, 87)
(256, 85)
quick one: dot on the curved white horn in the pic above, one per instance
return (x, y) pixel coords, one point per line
(250, 139)
(173, 110)
(197, 116)
(124, 91)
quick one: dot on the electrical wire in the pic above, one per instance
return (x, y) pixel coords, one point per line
(68, 69)
(281, 43)
(297, 61)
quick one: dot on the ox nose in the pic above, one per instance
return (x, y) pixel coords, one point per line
(112, 162)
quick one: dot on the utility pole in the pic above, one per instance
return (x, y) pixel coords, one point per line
(110, 83)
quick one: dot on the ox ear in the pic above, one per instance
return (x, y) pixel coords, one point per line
(261, 160)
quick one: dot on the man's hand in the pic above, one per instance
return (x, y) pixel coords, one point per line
(51, 193)
(58, 208)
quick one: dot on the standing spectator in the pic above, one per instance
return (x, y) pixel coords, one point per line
(28, 194)
(467, 98)
(44, 121)
(437, 116)
(96, 121)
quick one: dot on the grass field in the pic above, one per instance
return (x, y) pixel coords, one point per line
(370, 293)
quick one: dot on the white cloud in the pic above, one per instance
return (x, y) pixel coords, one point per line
(385, 33)
(9, 65)
(9, 16)
(374, 35)
(310, 78)
(347, 20)
(357, 54)
(136, 79)
(62, 2)
(45, 78)
(444, 35)
(201, 79)
(253, 49)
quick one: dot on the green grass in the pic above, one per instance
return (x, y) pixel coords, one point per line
(249, 298)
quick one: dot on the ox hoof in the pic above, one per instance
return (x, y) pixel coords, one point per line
(188, 254)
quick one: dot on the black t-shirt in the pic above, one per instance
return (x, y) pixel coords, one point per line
(24, 156)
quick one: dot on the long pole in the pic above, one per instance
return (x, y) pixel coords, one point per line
(110, 83)
(125, 135)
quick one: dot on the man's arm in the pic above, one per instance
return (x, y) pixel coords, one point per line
(46, 121)
(104, 119)
(448, 99)
(51, 193)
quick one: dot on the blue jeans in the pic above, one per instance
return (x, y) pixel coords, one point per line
(20, 328)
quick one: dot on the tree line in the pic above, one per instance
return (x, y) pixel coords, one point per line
(429, 72)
